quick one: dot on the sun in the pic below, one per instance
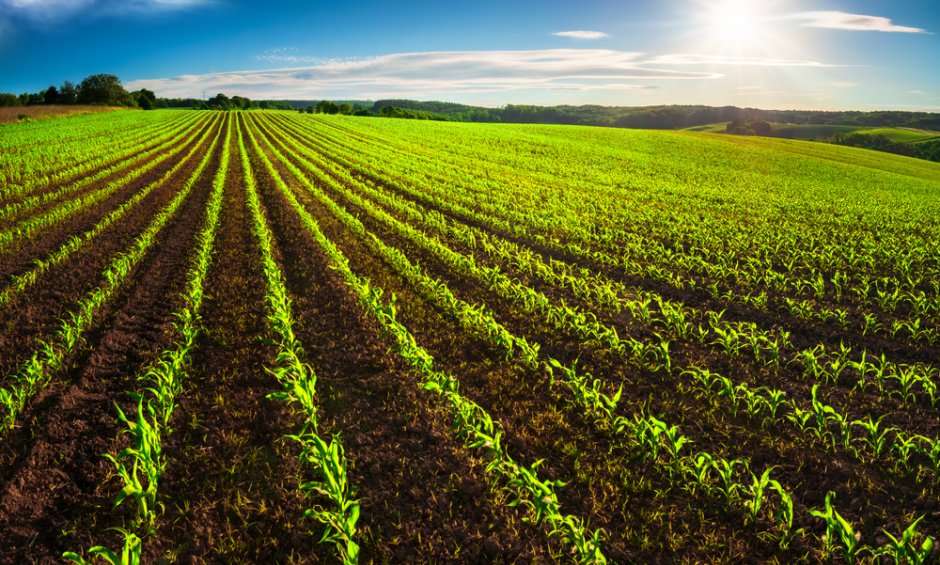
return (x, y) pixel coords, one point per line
(735, 26)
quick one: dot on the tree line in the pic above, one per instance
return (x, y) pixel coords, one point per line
(223, 102)
(107, 90)
(99, 89)
(656, 117)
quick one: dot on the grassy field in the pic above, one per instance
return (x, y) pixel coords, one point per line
(300, 338)
(903, 135)
(820, 132)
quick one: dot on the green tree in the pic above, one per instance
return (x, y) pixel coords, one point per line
(8, 99)
(220, 102)
(103, 89)
(68, 93)
(241, 102)
(51, 96)
(146, 99)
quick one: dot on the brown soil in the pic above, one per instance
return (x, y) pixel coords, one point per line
(230, 488)
(36, 314)
(55, 489)
(842, 473)
(423, 494)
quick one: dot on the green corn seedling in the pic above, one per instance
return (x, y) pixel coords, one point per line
(840, 535)
(904, 549)
(130, 553)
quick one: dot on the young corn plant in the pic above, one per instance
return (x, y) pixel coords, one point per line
(930, 449)
(130, 552)
(825, 416)
(840, 535)
(340, 518)
(903, 448)
(758, 491)
(727, 484)
(141, 465)
(876, 436)
(784, 516)
(699, 469)
(587, 392)
(904, 548)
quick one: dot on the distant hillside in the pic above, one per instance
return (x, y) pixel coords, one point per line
(660, 117)
(912, 142)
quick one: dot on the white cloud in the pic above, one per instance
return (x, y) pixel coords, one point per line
(291, 57)
(845, 84)
(44, 12)
(433, 74)
(581, 34)
(692, 59)
(854, 22)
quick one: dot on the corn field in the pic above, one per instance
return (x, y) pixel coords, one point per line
(259, 337)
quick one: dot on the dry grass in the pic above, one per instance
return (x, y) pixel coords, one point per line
(42, 112)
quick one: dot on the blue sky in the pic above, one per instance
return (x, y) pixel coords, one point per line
(822, 54)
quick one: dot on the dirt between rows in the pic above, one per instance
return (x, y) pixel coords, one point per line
(37, 312)
(146, 138)
(230, 487)
(604, 483)
(874, 508)
(56, 488)
(867, 493)
(22, 253)
(424, 496)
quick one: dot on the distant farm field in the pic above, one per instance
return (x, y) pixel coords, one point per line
(42, 112)
(822, 132)
(271, 337)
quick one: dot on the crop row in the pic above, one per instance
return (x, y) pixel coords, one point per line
(21, 281)
(635, 253)
(35, 225)
(468, 269)
(142, 464)
(473, 424)
(65, 161)
(34, 374)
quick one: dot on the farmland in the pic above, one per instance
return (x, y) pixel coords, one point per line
(820, 132)
(270, 337)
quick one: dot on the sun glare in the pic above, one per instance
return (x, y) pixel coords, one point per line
(734, 25)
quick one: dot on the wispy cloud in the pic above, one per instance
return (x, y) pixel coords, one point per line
(435, 74)
(692, 59)
(581, 34)
(44, 12)
(287, 56)
(853, 22)
(917, 92)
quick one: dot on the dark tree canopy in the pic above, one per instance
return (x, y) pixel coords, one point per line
(52, 95)
(145, 99)
(68, 93)
(8, 99)
(103, 89)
